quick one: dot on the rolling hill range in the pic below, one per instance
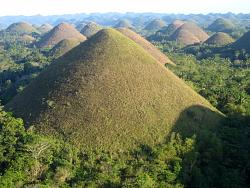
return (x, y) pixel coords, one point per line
(150, 48)
(21, 28)
(243, 43)
(63, 47)
(58, 33)
(189, 33)
(90, 29)
(155, 25)
(109, 94)
(221, 25)
(219, 39)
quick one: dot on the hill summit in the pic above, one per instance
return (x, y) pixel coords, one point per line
(189, 33)
(219, 39)
(58, 33)
(221, 25)
(124, 23)
(109, 94)
(45, 28)
(90, 29)
(155, 25)
(171, 28)
(21, 28)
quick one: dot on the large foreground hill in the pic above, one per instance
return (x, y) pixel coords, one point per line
(108, 93)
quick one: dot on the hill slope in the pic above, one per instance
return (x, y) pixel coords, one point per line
(21, 28)
(63, 47)
(155, 25)
(108, 94)
(243, 43)
(219, 39)
(189, 33)
(150, 48)
(58, 33)
(90, 29)
(221, 25)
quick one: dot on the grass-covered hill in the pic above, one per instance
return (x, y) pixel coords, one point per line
(27, 39)
(221, 25)
(155, 25)
(44, 28)
(124, 23)
(171, 28)
(242, 43)
(150, 48)
(21, 28)
(63, 47)
(189, 33)
(219, 39)
(90, 29)
(108, 93)
(58, 33)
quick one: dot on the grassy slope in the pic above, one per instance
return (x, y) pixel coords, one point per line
(243, 43)
(155, 25)
(150, 48)
(58, 33)
(219, 39)
(221, 25)
(63, 47)
(108, 93)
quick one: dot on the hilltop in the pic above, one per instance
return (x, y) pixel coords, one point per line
(63, 47)
(171, 28)
(21, 28)
(219, 39)
(90, 29)
(124, 23)
(155, 25)
(109, 94)
(45, 28)
(243, 43)
(189, 33)
(150, 48)
(58, 33)
(221, 25)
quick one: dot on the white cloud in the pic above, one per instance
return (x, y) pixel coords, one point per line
(52, 7)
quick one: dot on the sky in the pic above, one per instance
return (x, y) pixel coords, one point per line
(58, 7)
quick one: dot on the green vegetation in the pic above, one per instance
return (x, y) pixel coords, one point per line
(221, 25)
(219, 39)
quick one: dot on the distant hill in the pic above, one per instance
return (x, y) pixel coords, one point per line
(63, 47)
(189, 33)
(45, 28)
(242, 43)
(90, 29)
(58, 33)
(221, 25)
(155, 25)
(171, 28)
(219, 39)
(80, 26)
(109, 94)
(150, 48)
(26, 39)
(124, 23)
(21, 28)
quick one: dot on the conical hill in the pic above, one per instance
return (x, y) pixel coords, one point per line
(21, 28)
(90, 29)
(219, 39)
(109, 94)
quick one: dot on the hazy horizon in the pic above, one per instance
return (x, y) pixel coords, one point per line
(60, 7)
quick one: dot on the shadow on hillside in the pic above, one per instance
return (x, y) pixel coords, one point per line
(219, 156)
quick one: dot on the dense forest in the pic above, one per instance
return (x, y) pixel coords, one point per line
(200, 157)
